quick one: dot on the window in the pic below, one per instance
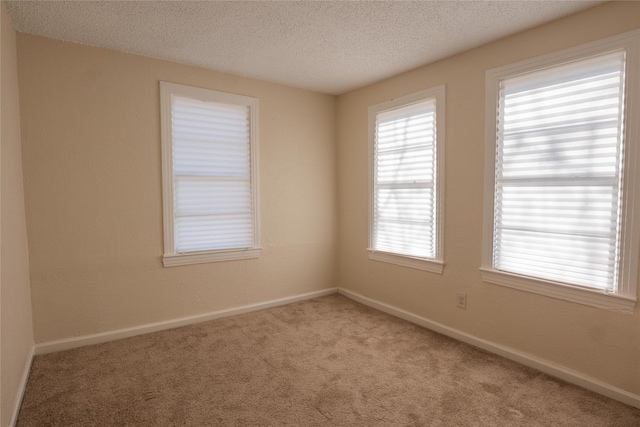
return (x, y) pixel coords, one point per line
(209, 168)
(560, 184)
(407, 158)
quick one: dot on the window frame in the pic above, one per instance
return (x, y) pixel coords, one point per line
(436, 264)
(171, 257)
(624, 300)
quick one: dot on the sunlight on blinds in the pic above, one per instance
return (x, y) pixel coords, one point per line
(558, 173)
(404, 181)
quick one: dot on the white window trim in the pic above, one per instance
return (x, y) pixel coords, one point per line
(435, 265)
(407, 261)
(170, 257)
(626, 298)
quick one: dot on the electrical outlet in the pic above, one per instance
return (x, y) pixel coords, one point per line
(462, 300)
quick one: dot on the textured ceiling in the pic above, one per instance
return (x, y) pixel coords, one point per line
(326, 46)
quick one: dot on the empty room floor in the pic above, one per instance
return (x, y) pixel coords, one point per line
(324, 362)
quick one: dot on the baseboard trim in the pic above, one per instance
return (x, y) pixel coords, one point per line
(21, 388)
(542, 365)
(69, 343)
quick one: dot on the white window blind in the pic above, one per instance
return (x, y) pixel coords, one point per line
(209, 170)
(212, 175)
(558, 183)
(404, 181)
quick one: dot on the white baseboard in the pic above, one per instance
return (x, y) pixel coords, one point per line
(542, 365)
(21, 389)
(69, 343)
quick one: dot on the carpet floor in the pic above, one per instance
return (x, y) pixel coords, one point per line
(323, 362)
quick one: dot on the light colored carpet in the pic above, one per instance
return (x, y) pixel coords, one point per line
(324, 362)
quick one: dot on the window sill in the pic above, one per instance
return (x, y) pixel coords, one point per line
(407, 261)
(594, 298)
(173, 260)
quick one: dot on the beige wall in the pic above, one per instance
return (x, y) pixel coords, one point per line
(91, 145)
(595, 342)
(15, 311)
(91, 158)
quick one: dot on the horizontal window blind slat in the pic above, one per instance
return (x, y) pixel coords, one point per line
(563, 105)
(528, 204)
(208, 105)
(599, 260)
(415, 162)
(402, 222)
(552, 195)
(550, 172)
(556, 230)
(603, 252)
(592, 69)
(391, 207)
(408, 231)
(574, 229)
(557, 239)
(591, 130)
(562, 121)
(239, 121)
(608, 151)
(218, 227)
(424, 147)
(221, 147)
(209, 115)
(417, 111)
(405, 238)
(546, 170)
(401, 144)
(605, 90)
(567, 215)
(574, 268)
(560, 183)
(226, 232)
(602, 219)
(563, 266)
(418, 234)
(571, 99)
(569, 139)
(214, 158)
(409, 185)
(556, 275)
(517, 165)
(186, 137)
(391, 131)
(218, 169)
(405, 140)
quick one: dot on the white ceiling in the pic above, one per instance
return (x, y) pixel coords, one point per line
(325, 46)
